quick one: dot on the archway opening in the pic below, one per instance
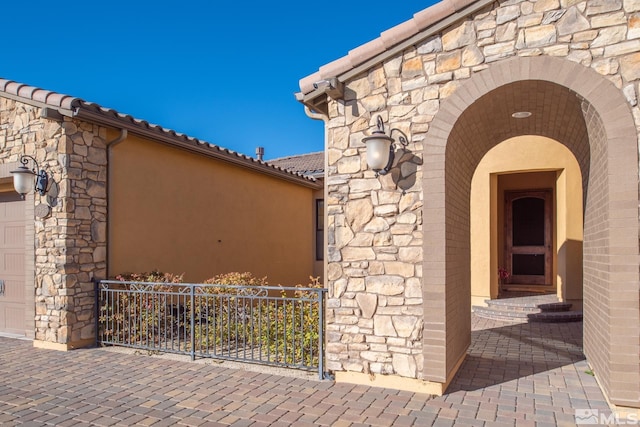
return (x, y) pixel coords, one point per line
(590, 117)
(556, 112)
(518, 167)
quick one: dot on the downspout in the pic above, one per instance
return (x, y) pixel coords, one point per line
(119, 139)
(110, 144)
(325, 195)
(317, 116)
(325, 119)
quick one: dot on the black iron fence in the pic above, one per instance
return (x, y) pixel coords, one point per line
(280, 326)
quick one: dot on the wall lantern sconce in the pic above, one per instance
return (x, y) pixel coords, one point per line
(23, 178)
(381, 148)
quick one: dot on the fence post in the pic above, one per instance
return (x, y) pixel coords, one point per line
(193, 323)
(96, 293)
(321, 333)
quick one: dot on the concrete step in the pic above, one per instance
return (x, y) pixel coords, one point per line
(498, 314)
(523, 316)
(534, 305)
(537, 308)
(556, 317)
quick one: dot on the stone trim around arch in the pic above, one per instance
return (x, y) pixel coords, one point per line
(617, 259)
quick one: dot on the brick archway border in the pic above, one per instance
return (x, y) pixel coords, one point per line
(611, 253)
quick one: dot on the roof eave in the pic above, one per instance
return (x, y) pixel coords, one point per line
(313, 99)
(193, 145)
(317, 101)
(38, 104)
(56, 106)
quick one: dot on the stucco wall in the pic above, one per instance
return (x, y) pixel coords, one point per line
(510, 52)
(531, 154)
(185, 213)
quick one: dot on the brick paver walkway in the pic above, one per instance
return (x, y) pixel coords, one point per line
(526, 374)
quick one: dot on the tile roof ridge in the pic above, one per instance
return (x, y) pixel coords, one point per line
(389, 38)
(77, 107)
(295, 155)
(40, 95)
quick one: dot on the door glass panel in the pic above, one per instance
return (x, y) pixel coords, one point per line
(528, 265)
(528, 222)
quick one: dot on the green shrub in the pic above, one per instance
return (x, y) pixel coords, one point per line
(229, 321)
(239, 279)
(141, 318)
(223, 314)
(153, 276)
(290, 327)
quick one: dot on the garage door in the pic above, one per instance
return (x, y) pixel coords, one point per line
(12, 264)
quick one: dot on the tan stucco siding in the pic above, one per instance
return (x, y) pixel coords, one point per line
(184, 213)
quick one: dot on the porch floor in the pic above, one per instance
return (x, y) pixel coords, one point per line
(519, 374)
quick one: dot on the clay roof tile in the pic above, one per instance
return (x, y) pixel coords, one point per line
(40, 95)
(396, 34)
(461, 4)
(69, 102)
(77, 106)
(441, 10)
(54, 99)
(13, 88)
(26, 91)
(311, 164)
(336, 67)
(365, 51)
(389, 38)
(306, 84)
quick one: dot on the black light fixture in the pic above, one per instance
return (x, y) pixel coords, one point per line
(381, 148)
(23, 177)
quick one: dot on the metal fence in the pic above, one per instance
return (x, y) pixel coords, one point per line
(280, 326)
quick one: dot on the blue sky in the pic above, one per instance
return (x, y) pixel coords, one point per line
(224, 72)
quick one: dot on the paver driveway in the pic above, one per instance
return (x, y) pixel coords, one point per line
(523, 374)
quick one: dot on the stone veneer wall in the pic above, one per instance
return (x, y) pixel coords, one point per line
(375, 260)
(70, 244)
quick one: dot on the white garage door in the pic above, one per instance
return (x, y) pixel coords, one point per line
(12, 264)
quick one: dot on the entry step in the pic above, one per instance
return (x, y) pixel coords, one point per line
(538, 308)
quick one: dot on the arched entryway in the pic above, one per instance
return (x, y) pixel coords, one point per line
(527, 218)
(586, 113)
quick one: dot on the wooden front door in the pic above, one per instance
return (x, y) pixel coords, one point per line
(528, 234)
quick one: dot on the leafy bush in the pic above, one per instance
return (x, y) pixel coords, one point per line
(224, 314)
(244, 321)
(153, 276)
(290, 327)
(239, 279)
(136, 317)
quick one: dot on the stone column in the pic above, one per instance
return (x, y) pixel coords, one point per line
(71, 242)
(69, 222)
